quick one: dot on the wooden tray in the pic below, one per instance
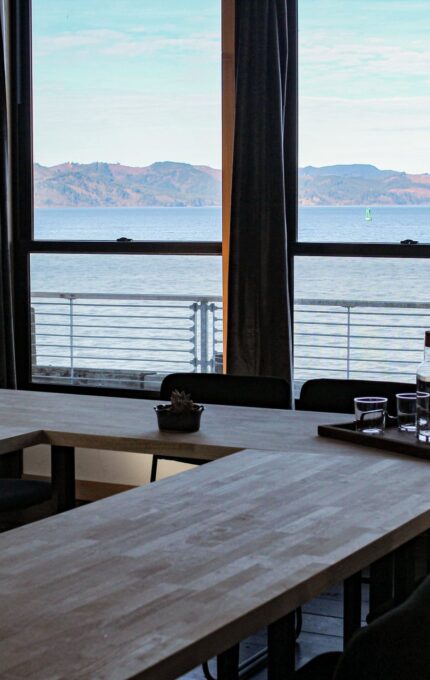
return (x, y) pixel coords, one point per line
(391, 440)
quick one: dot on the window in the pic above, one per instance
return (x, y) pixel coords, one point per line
(364, 189)
(122, 245)
(363, 121)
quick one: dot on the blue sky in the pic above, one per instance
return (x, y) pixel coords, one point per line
(131, 81)
(365, 83)
(136, 81)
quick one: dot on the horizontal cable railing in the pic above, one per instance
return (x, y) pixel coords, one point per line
(127, 340)
(370, 339)
(133, 340)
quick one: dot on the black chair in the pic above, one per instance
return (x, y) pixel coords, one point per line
(230, 390)
(21, 500)
(331, 395)
(394, 647)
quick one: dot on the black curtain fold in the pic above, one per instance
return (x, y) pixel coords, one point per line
(7, 352)
(259, 317)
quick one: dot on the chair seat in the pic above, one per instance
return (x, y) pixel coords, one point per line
(17, 494)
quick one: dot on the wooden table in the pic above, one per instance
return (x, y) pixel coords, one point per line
(67, 421)
(149, 583)
(131, 425)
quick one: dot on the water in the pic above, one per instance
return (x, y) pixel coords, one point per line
(109, 335)
(347, 224)
(143, 224)
(146, 274)
(327, 278)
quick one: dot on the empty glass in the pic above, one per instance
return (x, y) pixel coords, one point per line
(370, 414)
(406, 411)
(423, 417)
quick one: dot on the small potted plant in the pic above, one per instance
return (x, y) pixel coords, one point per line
(182, 414)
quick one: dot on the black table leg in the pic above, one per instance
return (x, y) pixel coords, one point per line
(281, 648)
(351, 606)
(404, 571)
(228, 664)
(380, 584)
(63, 477)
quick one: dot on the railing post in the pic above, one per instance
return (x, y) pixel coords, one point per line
(71, 340)
(348, 342)
(33, 338)
(212, 310)
(194, 308)
(204, 336)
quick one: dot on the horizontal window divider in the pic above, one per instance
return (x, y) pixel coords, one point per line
(335, 249)
(125, 248)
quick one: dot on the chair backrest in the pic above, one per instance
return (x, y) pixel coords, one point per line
(232, 390)
(332, 395)
(395, 646)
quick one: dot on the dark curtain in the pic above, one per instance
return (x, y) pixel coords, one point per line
(259, 321)
(7, 354)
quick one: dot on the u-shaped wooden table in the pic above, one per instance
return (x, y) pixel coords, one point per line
(149, 583)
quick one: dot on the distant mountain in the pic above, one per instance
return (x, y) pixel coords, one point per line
(180, 184)
(361, 185)
(109, 184)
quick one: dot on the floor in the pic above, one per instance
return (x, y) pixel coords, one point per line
(322, 632)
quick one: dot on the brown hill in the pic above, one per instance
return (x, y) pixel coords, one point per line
(361, 185)
(180, 184)
(108, 184)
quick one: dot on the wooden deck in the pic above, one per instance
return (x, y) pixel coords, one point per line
(322, 632)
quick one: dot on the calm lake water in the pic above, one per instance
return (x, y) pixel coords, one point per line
(162, 337)
(326, 278)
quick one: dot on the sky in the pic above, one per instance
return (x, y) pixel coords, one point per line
(138, 81)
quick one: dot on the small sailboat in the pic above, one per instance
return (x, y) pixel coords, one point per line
(368, 215)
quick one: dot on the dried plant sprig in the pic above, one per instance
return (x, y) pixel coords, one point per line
(181, 402)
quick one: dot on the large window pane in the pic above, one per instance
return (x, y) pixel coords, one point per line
(364, 120)
(124, 321)
(360, 317)
(127, 119)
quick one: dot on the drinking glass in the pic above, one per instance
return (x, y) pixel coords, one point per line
(406, 411)
(423, 417)
(370, 414)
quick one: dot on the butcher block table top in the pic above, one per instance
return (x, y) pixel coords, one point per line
(131, 425)
(149, 583)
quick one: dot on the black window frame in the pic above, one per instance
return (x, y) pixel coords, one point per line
(23, 216)
(297, 248)
(22, 208)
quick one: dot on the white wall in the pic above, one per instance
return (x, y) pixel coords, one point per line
(115, 467)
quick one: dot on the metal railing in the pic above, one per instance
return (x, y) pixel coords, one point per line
(125, 340)
(359, 339)
(134, 340)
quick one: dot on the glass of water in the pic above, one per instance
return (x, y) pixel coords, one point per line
(423, 417)
(370, 414)
(406, 411)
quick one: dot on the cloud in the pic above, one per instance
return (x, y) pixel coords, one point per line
(388, 132)
(370, 56)
(126, 43)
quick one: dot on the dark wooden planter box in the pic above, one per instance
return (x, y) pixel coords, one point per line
(188, 421)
